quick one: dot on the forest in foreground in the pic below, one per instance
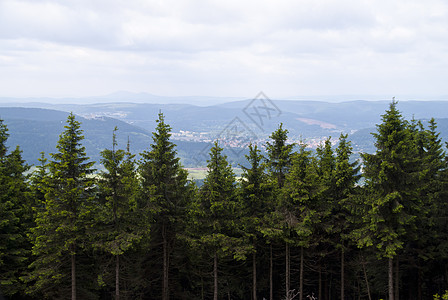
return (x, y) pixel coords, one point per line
(298, 224)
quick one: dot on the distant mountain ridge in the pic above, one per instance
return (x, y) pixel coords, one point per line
(309, 121)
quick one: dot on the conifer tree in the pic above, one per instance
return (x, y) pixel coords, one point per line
(346, 176)
(279, 162)
(15, 218)
(256, 198)
(391, 176)
(428, 238)
(116, 227)
(215, 210)
(299, 205)
(166, 191)
(60, 233)
(37, 181)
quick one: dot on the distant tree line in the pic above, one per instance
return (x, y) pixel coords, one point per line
(298, 223)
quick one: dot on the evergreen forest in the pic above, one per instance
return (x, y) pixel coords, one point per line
(298, 224)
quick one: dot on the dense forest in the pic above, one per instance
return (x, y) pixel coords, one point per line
(298, 224)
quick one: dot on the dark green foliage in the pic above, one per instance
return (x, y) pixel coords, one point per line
(279, 155)
(299, 204)
(60, 233)
(164, 196)
(256, 202)
(295, 221)
(15, 218)
(116, 227)
(217, 206)
(391, 178)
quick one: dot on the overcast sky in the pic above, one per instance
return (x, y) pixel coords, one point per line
(225, 48)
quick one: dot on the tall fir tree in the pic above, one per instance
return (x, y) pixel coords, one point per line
(346, 177)
(116, 227)
(279, 155)
(391, 176)
(166, 192)
(299, 206)
(15, 218)
(279, 162)
(214, 213)
(60, 233)
(256, 200)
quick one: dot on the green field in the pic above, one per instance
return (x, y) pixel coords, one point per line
(200, 173)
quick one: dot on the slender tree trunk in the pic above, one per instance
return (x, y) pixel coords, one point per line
(391, 278)
(287, 271)
(73, 259)
(320, 281)
(271, 271)
(202, 288)
(419, 283)
(366, 279)
(254, 276)
(301, 274)
(117, 277)
(165, 289)
(342, 273)
(397, 279)
(215, 277)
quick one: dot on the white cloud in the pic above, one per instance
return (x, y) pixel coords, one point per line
(192, 47)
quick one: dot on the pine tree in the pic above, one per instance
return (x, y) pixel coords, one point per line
(116, 227)
(166, 191)
(15, 218)
(214, 213)
(60, 233)
(299, 206)
(430, 232)
(256, 200)
(37, 182)
(279, 162)
(346, 177)
(391, 175)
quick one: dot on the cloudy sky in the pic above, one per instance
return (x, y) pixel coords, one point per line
(285, 48)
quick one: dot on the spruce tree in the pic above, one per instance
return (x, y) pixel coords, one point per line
(346, 177)
(391, 176)
(15, 218)
(60, 233)
(299, 206)
(116, 227)
(214, 213)
(256, 201)
(165, 192)
(279, 155)
(279, 162)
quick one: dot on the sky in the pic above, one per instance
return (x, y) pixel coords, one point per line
(231, 48)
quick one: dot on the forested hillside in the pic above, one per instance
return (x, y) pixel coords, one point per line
(37, 130)
(298, 223)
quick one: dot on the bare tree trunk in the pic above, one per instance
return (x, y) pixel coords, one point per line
(320, 281)
(287, 271)
(254, 276)
(117, 277)
(366, 279)
(215, 277)
(419, 284)
(342, 273)
(301, 274)
(165, 289)
(391, 279)
(271, 271)
(73, 259)
(397, 279)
